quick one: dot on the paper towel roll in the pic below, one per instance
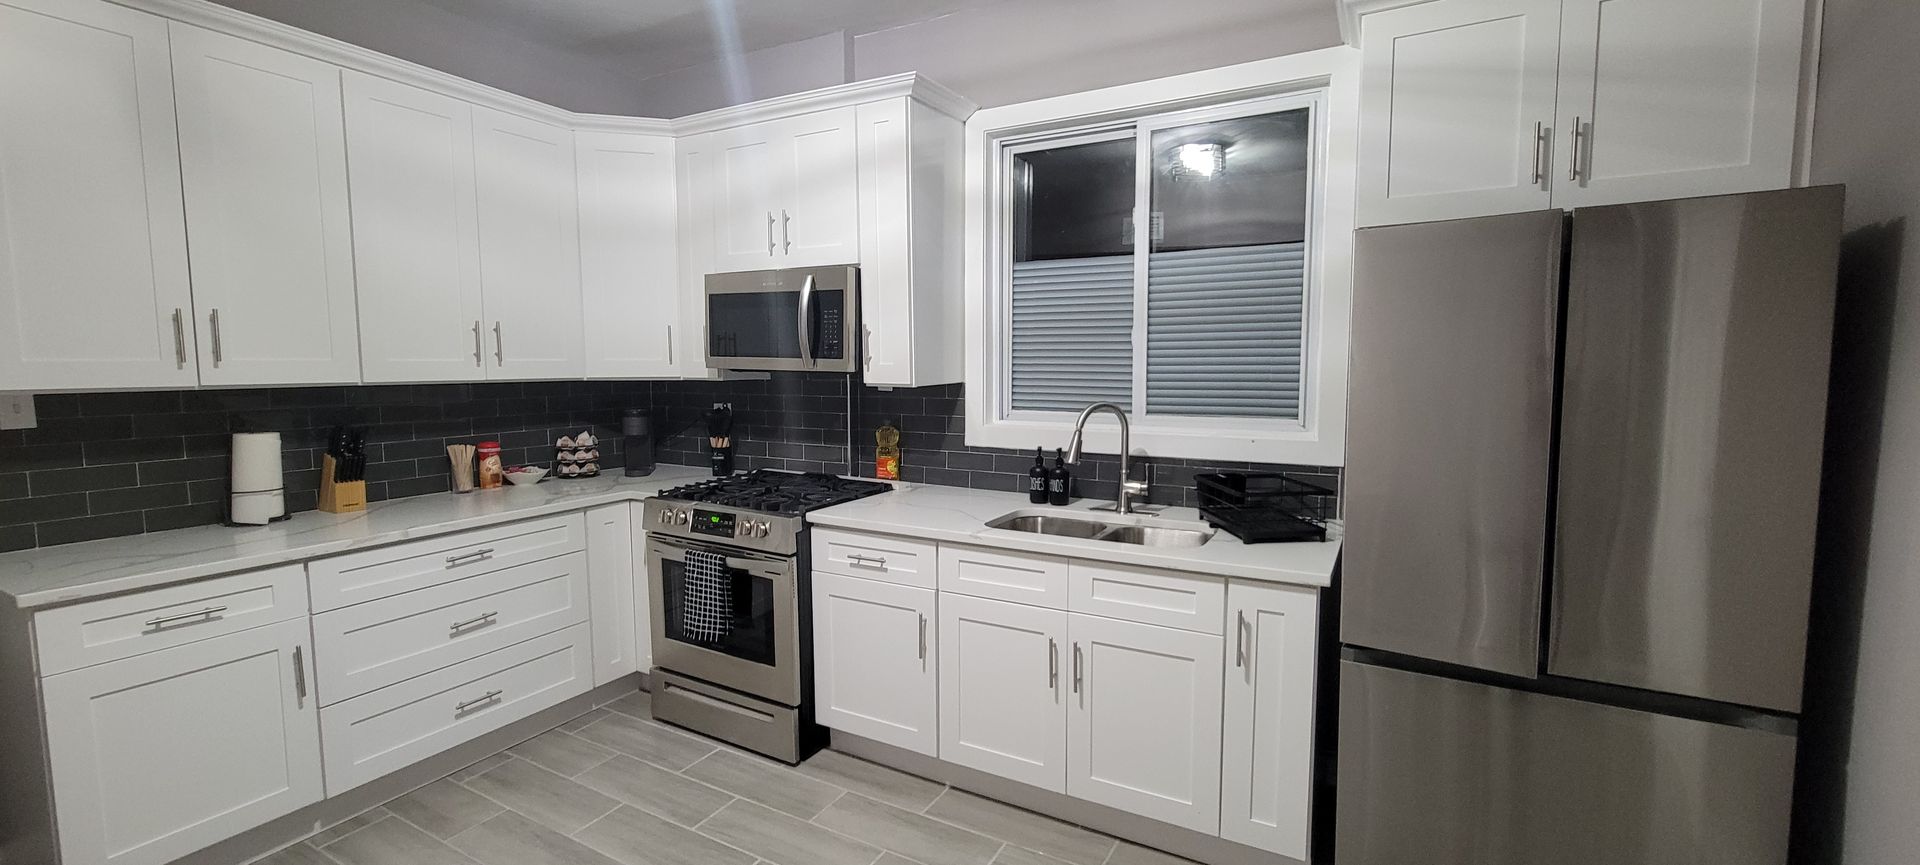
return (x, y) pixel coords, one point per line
(256, 486)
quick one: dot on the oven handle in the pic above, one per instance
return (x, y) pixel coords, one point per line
(751, 564)
(806, 319)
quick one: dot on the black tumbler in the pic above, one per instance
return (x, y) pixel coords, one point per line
(637, 430)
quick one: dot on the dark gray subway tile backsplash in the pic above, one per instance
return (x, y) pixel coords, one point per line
(111, 464)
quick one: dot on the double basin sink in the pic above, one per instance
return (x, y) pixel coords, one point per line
(1117, 530)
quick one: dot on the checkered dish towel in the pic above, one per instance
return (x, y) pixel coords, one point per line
(706, 612)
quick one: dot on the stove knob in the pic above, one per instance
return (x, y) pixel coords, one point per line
(761, 529)
(685, 518)
(663, 517)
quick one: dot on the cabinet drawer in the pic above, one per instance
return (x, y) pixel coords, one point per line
(372, 735)
(372, 645)
(1021, 578)
(875, 557)
(82, 635)
(358, 577)
(1186, 601)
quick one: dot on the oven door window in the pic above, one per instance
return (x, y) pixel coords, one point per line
(754, 324)
(751, 635)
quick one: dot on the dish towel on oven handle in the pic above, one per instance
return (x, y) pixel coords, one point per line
(706, 610)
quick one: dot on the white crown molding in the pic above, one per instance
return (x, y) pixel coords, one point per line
(623, 125)
(907, 84)
(1351, 11)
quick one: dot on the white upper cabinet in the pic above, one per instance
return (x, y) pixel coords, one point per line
(529, 247)
(629, 253)
(416, 236)
(264, 162)
(1457, 100)
(786, 193)
(1677, 99)
(1266, 790)
(1478, 107)
(93, 256)
(910, 242)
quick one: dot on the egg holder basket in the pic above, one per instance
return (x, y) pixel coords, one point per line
(586, 458)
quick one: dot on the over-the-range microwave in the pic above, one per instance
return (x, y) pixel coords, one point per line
(804, 319)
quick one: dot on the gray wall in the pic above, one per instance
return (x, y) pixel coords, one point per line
(1861, 769)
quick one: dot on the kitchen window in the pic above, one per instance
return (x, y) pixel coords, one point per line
(1168, 263)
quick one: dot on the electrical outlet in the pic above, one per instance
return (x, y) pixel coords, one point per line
(725, 405)
(16, 411)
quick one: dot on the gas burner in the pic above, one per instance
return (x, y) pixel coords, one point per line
(776, 492)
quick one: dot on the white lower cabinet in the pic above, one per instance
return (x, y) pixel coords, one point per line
(875, 671)
(1266, 791)
(612, 579)
(1143, 724)
(158, 755)
(1003, 704)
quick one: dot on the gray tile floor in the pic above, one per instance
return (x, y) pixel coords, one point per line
(612, 787)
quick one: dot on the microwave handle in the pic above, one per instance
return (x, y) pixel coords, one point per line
(806, 319)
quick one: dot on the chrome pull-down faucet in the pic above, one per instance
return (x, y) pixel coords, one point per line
(1130, 489)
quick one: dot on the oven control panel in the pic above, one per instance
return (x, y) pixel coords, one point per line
(713, 524)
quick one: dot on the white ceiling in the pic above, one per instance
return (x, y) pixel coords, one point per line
(655, 36)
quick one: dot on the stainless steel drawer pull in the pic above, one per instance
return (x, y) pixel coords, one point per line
(207, 615)
(482, 619)
(1053, 663)
(923, 638)
(1076, 668)
(479, 555)
(488, 697)
(1240, 639)
(867, 561)
(300, 674)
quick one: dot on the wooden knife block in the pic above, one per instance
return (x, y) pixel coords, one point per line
(340, 497)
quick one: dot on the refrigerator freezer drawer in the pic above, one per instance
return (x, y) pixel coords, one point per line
(1445, 772)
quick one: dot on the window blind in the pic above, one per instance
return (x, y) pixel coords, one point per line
(1224, 331)
(1072, 333)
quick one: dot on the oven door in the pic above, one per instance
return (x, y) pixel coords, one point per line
(759, 653)
(803, 319)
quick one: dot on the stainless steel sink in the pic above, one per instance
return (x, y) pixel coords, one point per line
(1125, 531)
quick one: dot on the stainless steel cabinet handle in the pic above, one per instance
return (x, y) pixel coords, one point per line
(487, 697)
(786, 238)
(206, 615)
(1573, 159)
(479, 555)
(214, 318)
(1240, 639)
(769, 233)
(923, 638)
(179, 338)
(1053, 663)
(499, 346)
(1076, 668)
(478, 350)
(1539, 153)
(300, 674)
(867, 561)
(482, 619)
(669, 343)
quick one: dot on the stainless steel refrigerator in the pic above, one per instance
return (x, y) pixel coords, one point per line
(1582, 475)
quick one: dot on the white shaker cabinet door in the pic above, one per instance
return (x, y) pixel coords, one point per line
(748, 186)
(529, 247)
(874, 668)
(820, 212)
(93, 253)
(416, 238)
(1457, 106)
(629, 253)
(1143, 725)
(1673, 100)
(161, 754)
(263, 156)
(1003, 687)
(1267, 765)
(610, 582)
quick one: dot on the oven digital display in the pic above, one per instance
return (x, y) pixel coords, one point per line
(712, 523)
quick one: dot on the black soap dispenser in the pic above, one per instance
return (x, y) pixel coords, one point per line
(1037, 478)
(1059, 480)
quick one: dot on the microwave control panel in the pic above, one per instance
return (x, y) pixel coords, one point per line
(828, 345)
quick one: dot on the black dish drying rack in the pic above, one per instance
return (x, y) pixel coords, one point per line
(1265, 508)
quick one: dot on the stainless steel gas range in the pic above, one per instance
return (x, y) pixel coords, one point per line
(727, 573)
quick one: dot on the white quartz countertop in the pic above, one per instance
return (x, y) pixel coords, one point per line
(76, 572)
(957, 515)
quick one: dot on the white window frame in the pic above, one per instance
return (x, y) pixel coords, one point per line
(1324, 81)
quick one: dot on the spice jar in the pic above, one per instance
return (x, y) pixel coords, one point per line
(492, 473)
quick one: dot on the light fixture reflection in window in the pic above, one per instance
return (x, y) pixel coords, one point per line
(1199, 161)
